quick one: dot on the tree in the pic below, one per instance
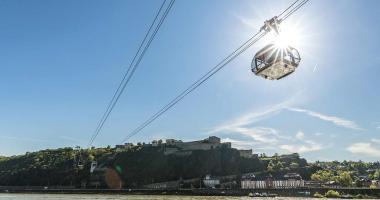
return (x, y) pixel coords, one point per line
(270, 166)
(376, 175)
(275, 166)
(345, 178)
(91, 157)
(323, 176)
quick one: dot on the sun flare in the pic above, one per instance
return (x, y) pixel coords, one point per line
(289, 35)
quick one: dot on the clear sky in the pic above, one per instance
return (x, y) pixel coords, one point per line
(61, 61)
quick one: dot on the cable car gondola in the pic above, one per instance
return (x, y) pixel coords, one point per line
(273, 62)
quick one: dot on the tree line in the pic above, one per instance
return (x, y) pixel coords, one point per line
(143, 165)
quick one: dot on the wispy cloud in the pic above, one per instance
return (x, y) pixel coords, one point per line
(376, 125)
(22, 139)
(363, 148)
(258, 134)
(267, 137)
(243, 125)
(375, 140)
(300, 135)
(309, 146)
(240, 144)
(261, 134)
(273, 138)
(250, 118)
(333, 119)
(302, 145)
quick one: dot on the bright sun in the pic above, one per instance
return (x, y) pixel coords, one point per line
(288, 36)
(281, 42)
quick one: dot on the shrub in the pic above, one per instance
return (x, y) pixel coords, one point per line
(359, 196)
(372, 186)
(317, 195)
(332, 194)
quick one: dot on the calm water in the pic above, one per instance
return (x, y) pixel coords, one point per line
(129, 197)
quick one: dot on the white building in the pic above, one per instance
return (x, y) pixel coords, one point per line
(290, 180)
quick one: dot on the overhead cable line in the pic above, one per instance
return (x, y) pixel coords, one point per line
(291, 5)
(214, 70)
(149, 36)
(294, 9)
(191, 88)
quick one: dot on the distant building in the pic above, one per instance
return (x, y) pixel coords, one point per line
(364, 181)
(332, 184)
(248, 176)
(156, 143)
(173, 142)
(313, 184)
(209, 143)
(292, 176)
(376, 183)
(290, 180)
(246, 153)
(163, 185)
(211, 182)
(253, 182)
(172, 184)
(177, 146)
(123, 147)
(213, 139)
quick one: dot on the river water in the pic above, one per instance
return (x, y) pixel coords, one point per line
(122, 197)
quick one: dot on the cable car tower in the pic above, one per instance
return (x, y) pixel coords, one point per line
(274, 61)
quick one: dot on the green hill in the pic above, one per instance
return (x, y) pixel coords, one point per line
(138, 166)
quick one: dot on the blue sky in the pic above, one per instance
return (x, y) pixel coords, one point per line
(61, 61)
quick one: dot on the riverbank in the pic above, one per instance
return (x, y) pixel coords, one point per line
(18, 196)
(296, 192)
